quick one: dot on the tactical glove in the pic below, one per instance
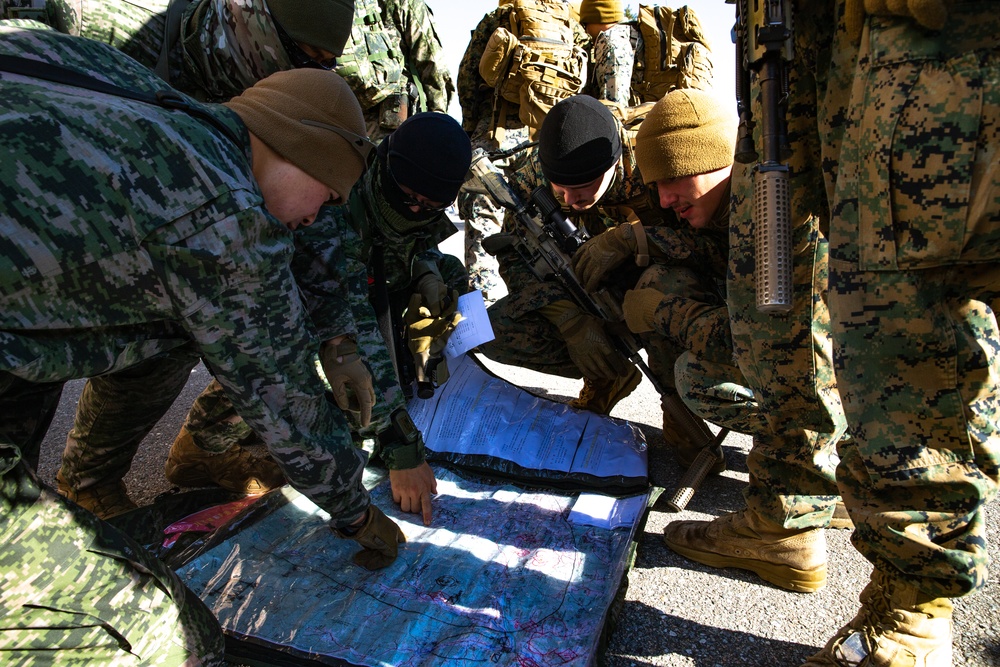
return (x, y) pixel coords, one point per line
(427, 336)
(435, 293)
(640, 308)
(601, 254)
(379, 537)
(590, 348)
(345, 371)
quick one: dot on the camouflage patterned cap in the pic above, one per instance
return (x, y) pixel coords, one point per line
(687, 132)
(312, 119)
(324, 24)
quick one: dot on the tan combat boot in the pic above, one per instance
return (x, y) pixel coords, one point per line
(105, 499)
(898, 626)
(841, 520)
(235, 470)
(601, 396)
(686, 433)
(791, 559)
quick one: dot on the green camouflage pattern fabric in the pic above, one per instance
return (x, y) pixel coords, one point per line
(75, 591)
(786, 359)
(524, 337)
(914, 275)
(120, 264)
(224, 46)
(422, 53)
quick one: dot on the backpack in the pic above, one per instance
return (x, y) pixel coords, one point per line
(535, 63)
(372, 62)
(675, 53)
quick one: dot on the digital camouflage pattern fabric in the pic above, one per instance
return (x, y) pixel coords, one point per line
(914, 276)
(787, 359)
(128, 265)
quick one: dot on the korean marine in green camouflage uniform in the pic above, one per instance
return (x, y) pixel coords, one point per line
(586, 157)
(492, 127)
(115, 256)
(386, 233)
(914, 284)
(786, 360)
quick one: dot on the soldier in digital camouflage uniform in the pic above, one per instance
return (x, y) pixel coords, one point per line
(914, 281)
(388, 234)
(586, 158)
(165, 238)
(220, 48)
(481, 119)
(614, 46)
(787, 361)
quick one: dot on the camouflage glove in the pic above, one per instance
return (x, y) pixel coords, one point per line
(427, 336)
(599, 255)
(379, 537)
(435, 293)
(349, 378)
(590, 348)
(640, 308)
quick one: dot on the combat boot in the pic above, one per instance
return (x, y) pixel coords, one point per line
(841, 520)
(792, 559)
(898, 626)
(687, 434)
(601, 396)
(106, 499)
(235, 470)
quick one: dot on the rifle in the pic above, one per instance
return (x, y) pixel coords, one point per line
(546, 239)
(764, 47)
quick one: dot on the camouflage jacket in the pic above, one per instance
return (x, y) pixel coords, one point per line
(478, 100)
(627, 197)
(133, 230)
(223, 46)
(422, 52)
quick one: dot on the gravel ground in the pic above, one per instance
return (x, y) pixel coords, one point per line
(676, 613)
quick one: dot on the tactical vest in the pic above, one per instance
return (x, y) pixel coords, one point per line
(675, 53)
(535, 62)
(372, 63)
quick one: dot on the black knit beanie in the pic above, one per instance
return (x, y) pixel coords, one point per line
(430, 153)
(579, 140)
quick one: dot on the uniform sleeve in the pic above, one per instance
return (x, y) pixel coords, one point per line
(614, 57)
(234, 291)
(472, 91)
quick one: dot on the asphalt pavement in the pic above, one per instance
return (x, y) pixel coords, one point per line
(676, 612)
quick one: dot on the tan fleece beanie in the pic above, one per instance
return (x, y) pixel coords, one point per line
(687, 132)
(274, 110)
(601, 11)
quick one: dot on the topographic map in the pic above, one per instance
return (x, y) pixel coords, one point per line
(502, 577)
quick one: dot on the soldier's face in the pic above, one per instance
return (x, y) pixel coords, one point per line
(582, 197)
(293, 196)
(695, 198)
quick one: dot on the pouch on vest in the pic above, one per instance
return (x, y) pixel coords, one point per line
(675, 53)
(535, 63)
(372, 62)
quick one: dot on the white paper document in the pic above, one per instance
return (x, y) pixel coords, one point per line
(592, 509)
(473, 330)
(477, 413)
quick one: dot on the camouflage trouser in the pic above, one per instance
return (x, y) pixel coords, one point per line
(717, 392)
(787, 359)
(116, 411)
(482, 219)
(73, 589)
(914, 287)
